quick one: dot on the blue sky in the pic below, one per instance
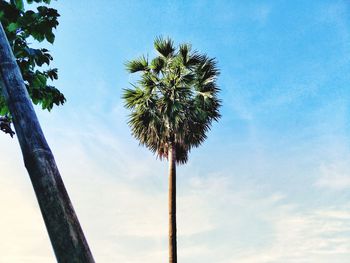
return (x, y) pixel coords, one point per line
(270, 184)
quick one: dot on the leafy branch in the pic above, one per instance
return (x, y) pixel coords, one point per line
(21, 25)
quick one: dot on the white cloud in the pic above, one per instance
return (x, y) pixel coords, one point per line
(23, 235)
(126, 222)
(334, 176)
(318, 235)
(120, 195)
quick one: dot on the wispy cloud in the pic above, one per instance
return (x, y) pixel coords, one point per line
(312, 236)
(125, 221)
(334, 176)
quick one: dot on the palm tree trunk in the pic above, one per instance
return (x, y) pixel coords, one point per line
(62, 224)
(172, 205)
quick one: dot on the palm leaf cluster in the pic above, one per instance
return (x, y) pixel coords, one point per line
(175, 100)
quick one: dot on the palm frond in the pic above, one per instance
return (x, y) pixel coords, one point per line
(194, 59)
(184, 53)
(164, 46)
(157, 64)
(133, 97)
(207, 70)
(139, 64)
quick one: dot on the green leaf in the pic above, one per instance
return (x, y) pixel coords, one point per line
(50, 37)
(38, 36)
(42, 79)
(19, 4)
(39, 80)
(52, 73)
(3, 106)
(12, 27)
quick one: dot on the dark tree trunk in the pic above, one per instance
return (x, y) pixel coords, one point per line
(62, 224)
(172, 205)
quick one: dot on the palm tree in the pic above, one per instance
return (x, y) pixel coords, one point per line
(172, 107)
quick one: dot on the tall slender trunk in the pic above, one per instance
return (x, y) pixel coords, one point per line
(62, 224)
(172, 205)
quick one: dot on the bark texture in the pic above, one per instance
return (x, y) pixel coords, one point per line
(172, 205)
(66, 235)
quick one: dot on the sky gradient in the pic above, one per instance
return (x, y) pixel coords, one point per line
(271, 183)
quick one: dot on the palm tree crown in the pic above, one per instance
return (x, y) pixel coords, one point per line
(175, 100)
